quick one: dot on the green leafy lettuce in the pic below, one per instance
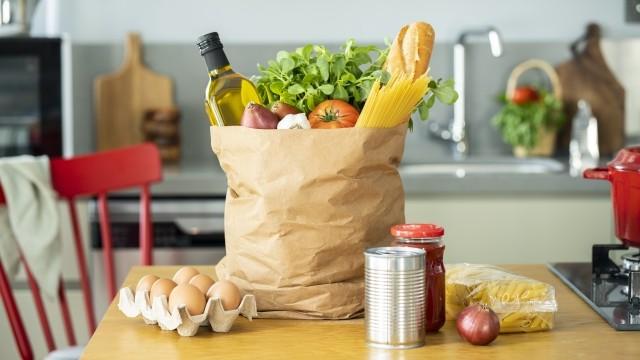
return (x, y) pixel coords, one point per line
(312, 73)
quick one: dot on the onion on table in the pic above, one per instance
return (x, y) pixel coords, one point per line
(478, 324)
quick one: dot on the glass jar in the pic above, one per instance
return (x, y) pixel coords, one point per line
(428, 237)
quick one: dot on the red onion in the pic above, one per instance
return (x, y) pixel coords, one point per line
(478, 324)
(258, 117)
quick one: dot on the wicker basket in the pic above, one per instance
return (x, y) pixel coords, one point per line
(546, 137)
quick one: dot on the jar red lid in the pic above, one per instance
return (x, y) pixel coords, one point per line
(417, 231)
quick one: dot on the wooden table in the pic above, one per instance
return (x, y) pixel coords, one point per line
(579, 334)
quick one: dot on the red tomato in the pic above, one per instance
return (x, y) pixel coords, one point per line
(525, 94)
(332, 114)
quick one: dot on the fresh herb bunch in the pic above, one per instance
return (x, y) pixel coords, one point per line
(521, 124)
(311, 74)
(438, 89)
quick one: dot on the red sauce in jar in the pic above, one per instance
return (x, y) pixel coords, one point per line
(429, 238)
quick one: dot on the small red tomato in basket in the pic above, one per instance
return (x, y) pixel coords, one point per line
(525, 94)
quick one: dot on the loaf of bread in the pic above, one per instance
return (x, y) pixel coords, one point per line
(411, 50)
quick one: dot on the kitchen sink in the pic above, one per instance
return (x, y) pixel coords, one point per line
(484, 166)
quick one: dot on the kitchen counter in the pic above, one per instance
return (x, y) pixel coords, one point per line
(508, 184)
(579, 334)
(209, 180)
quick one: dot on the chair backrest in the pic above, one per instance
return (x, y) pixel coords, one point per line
(89, 175)
(106, 171)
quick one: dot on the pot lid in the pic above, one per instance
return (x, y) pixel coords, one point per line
(627, 159)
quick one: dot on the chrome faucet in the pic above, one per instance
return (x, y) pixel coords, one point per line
(455, 130)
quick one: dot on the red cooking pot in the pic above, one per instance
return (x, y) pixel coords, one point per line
(624, 174)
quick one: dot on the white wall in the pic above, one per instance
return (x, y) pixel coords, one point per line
(332, 20)
(623, 57)
(516, 229)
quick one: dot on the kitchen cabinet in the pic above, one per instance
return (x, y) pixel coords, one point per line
(516, 229)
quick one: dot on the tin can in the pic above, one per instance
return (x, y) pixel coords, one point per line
(394, 297)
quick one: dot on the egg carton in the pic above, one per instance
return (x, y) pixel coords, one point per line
(158, 312)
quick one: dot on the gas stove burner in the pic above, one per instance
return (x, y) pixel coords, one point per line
(611, 288)
(631, 262)
(631, 265)
(601, 263)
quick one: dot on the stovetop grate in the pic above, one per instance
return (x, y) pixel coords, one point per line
(604, 293)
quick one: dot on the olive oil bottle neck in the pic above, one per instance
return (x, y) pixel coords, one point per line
(216, 61)
(220, 71)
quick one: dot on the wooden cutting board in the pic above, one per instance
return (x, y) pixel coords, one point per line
(587, 76)
(121, 98)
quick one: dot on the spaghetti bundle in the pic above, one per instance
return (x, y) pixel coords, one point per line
(392, 104)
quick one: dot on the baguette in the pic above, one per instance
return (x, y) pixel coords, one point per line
(411, 50)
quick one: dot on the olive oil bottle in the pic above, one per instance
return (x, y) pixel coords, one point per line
(228, 92)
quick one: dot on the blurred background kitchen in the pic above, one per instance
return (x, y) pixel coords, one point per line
(458, 171)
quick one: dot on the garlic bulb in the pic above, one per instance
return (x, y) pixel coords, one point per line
(294, 121)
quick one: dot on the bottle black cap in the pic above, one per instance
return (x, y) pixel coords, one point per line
(209, 42)
(211, 49)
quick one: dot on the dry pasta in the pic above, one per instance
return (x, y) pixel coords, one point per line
(521, 303)
(391, 105)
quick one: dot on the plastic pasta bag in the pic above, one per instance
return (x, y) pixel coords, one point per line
(521, 303)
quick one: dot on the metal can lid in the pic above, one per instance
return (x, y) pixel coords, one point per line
(395, 258)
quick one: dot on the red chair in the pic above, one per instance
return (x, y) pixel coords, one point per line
(89, 175)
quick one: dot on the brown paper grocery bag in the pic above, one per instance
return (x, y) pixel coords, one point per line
(301, 207)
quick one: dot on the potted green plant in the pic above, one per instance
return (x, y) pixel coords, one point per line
(530, 116)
